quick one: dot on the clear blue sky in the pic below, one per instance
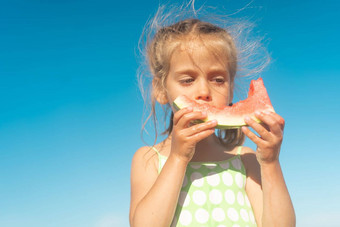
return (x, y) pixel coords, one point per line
(70, 110)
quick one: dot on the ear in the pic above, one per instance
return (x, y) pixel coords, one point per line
(159, 92)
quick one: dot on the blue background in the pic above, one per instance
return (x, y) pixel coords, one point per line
(71, 111)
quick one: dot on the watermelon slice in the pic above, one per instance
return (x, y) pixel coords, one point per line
(232, 116)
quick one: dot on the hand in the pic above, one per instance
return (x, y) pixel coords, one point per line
(185, 136)
(270, 135)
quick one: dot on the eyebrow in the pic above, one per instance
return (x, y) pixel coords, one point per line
(190, 72)
(219, 72)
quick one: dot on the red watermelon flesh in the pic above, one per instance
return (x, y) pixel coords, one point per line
(232, 116)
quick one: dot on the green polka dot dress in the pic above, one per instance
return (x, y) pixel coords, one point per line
(213, 194)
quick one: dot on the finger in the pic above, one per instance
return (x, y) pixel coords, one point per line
(252, 136)
(271, 122)
(260, 129)
(277, 118)
(185, 120)
(180, 114)
(200, 127)
(201, 135)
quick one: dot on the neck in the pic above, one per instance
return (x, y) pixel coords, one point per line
(207, 143)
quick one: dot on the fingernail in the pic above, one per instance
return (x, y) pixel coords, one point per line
(257, 112)
(204, 113)
(266, 112)
(189, 108)
(247, 118)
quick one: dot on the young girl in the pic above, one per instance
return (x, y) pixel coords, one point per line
(196, 177)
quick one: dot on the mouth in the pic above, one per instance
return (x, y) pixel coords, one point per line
(205, 104)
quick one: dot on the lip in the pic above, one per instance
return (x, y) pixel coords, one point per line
(210, 104)
(203, 102)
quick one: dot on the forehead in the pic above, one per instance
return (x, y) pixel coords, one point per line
(202, 53)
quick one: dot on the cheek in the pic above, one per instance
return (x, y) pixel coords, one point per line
(222, 102)
(223, 97)
(174, 91)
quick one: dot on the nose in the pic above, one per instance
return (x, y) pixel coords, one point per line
(203, 91)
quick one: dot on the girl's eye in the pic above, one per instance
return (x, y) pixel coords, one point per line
(187, 81)
(219, 80)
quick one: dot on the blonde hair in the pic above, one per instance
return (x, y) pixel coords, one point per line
(161, 40)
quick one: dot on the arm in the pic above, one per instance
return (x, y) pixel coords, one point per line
(154, 197)
(266, 185)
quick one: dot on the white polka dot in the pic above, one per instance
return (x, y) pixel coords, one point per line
(202, 216)
(232, 214)
(251, 217)
(236, 163)
(195, 165)
(211, 165)
(244, 215)
(224, 165)
(227, 178)
(218, 214)
(185, 218)
(247, 201)
(229, 196)
(199, 197)
(213, 179)
(196, 179)
(239, 180)
(240, 198)
(185, 181)
(215, 196)
(184, 199)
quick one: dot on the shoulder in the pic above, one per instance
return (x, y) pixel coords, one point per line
(141, 152)
(144, 169)
(247, 150)
(247, 154)
(250, 162)
(145, 157)
(143, 175)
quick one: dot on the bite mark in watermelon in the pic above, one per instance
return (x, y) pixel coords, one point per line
(232, 116)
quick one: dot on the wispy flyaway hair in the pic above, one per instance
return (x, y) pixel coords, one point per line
(221, 34)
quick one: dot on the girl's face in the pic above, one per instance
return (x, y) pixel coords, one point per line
(199, 74)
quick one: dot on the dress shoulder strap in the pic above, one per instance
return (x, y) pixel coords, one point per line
(161, 160)
(239, 150)
(153, 148)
